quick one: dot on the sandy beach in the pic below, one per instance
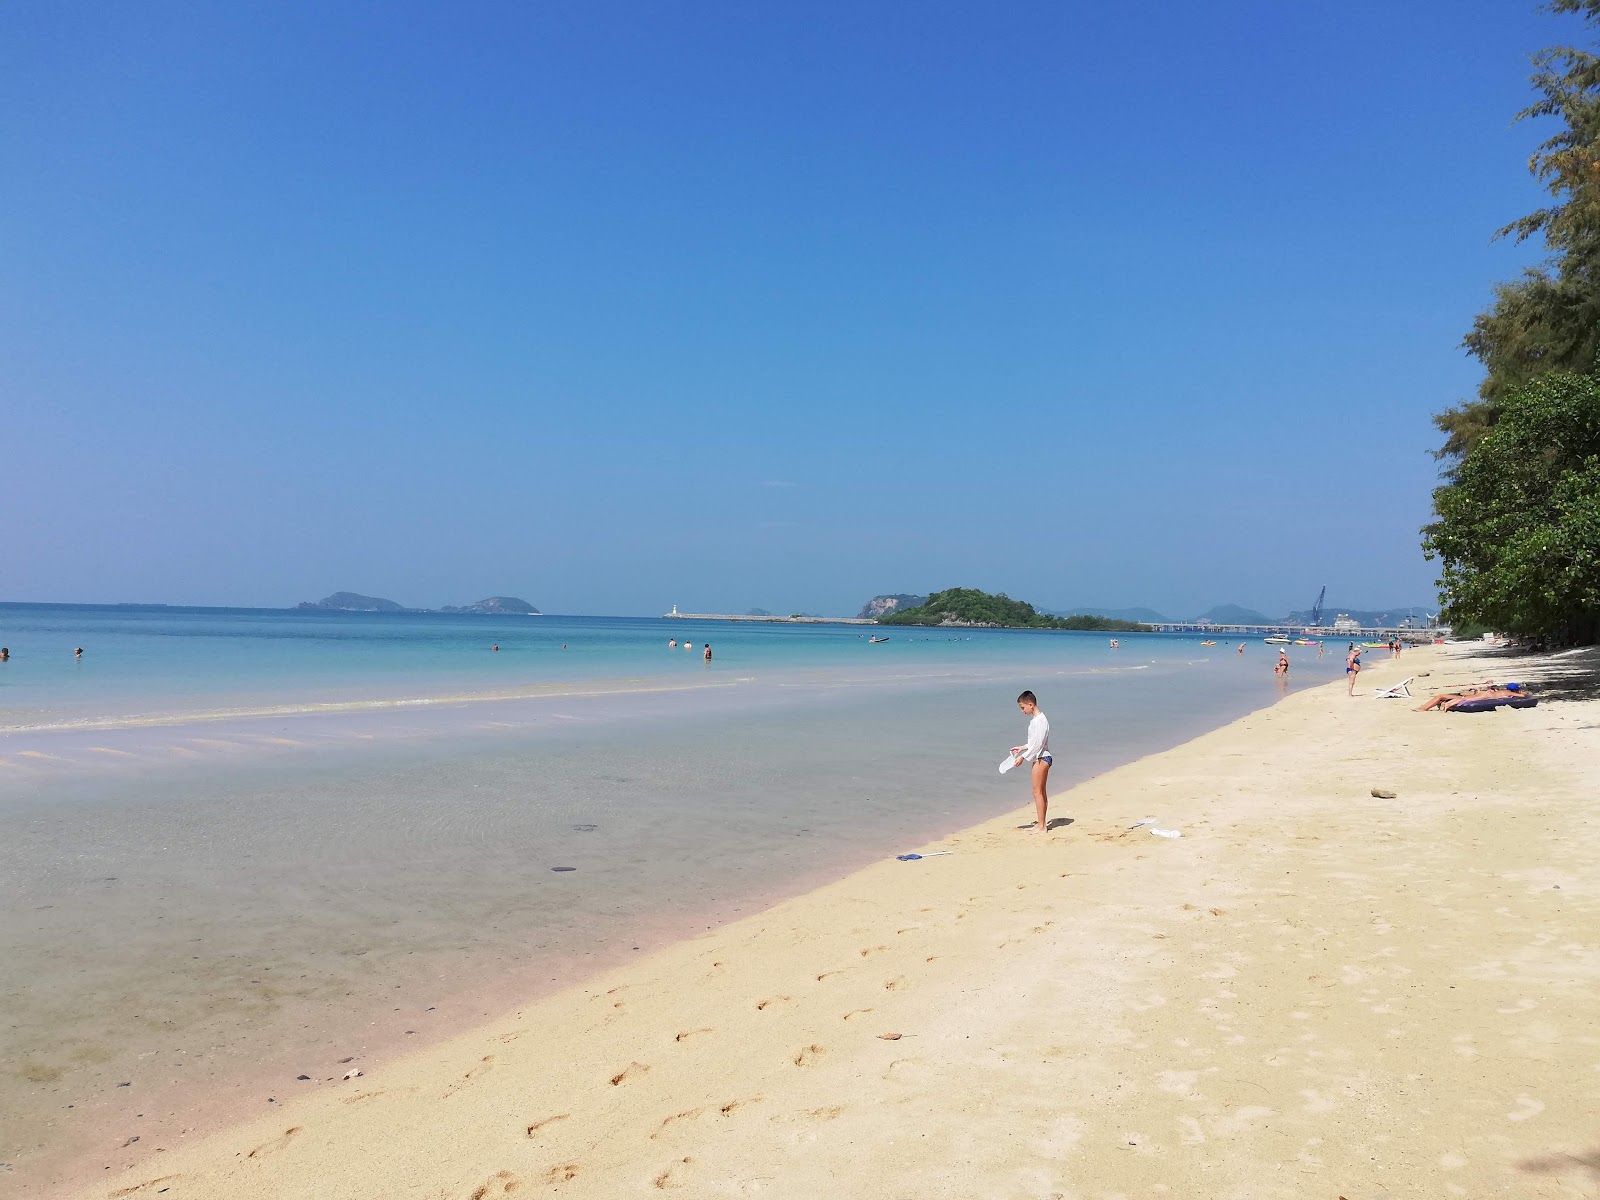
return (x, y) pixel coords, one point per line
(1312, 992)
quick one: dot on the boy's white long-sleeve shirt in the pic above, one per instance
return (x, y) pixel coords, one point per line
(1038, 737)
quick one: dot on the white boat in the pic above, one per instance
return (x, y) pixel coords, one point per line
(1277, 641)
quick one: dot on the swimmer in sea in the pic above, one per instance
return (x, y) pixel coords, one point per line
(5, 654)
(1241, 647)
(1037, 752)
(1283, 663)
(78, 653)
(708, 652)
(496, 646)
(672, 644)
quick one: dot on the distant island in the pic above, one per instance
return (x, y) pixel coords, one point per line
(972, 608)
(353, 602)
(497, 604)
(880, 606)
(356, 602)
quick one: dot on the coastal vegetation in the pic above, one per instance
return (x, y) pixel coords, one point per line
(356, 602)
(1517, 528)
(968, 606)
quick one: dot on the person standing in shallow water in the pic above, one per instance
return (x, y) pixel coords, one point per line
(708, 652)
(1037, 752)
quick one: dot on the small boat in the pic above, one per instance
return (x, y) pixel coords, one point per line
(1277, 641)
(1208, 643)
(876, 638)
(1306, 642)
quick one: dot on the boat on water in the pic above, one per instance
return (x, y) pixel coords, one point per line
(1208, 643)
(876, 638)
(1277, 641)
(1306, 642)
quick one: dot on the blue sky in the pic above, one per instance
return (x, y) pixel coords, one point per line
(615, 306)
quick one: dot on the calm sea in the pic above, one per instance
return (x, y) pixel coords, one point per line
(238, 846)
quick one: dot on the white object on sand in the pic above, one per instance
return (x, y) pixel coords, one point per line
(1167, 832)
(1146, 821)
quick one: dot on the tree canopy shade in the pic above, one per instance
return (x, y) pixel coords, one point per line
(1518, 528)
(968, 606)
(1548, 320)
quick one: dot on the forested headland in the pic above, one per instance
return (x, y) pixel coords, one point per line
(968, 606)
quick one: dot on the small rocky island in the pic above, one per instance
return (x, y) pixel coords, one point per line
(356, 602)
(498, 605)
(352, 602)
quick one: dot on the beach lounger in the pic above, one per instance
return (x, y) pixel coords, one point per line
(1400, 691)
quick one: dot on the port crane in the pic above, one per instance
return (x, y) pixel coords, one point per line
(1316, 609)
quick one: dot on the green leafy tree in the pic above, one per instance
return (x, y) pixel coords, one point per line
(1548, 320)
(1518, 528)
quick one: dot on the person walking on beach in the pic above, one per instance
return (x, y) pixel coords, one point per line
(1037, 752)
(1352, 668)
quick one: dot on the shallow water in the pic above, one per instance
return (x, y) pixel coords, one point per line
(205, 906)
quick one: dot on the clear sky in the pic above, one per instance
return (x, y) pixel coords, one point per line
(613, 306)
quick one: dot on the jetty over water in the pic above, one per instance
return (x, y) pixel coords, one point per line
(1405, 633)
(675, 615)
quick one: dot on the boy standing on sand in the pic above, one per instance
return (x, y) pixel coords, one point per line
(1037, 752)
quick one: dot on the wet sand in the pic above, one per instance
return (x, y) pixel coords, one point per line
(1312, 992)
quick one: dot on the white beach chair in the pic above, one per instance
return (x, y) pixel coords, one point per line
(1400, 691)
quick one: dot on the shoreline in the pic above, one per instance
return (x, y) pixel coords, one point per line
(703, 1065)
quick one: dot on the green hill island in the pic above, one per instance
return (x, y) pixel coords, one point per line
(979, 610)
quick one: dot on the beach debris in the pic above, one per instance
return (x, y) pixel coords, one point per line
(559, 870)
(1167, 833)
(302, 1077)
(1382, 794)
(585, 828)
(128, 1084)
(353, 1073)
(347, 1058)
(1141, 824)
(890, 1037)
(915, 857)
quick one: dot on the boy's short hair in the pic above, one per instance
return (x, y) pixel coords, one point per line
(1027, 698)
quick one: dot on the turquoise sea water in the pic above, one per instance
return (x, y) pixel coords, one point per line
(142, 662)
(237, 846)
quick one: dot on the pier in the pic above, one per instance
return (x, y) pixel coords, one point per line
(1405, 633)
(675, 615)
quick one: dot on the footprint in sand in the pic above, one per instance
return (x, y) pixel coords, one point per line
(689, 1033)
(147, 1184)
(1527, 1108)
(565, 1173)
(867, 951)
(535, 1129)
(631, 1071)
(667, 1179)
(501, 1183)
(733, 1106)
(775, 1000)
(687, 1114)
(896, 984)
(826, 1114)
(809, 1055)
(276, 1144)
(855, 1012)
(484, 1065)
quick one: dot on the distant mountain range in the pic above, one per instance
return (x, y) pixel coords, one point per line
(1237, 614)
(356, 602)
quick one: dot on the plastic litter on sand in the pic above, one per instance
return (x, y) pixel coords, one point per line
(915, 857)
(1167, 833)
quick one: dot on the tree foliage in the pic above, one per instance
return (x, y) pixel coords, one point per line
(1548, 320)
(968, 606)
(1518, 528)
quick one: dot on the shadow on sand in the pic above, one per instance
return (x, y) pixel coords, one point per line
(1564, 675)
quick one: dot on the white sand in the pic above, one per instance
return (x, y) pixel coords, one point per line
(1312, 993)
